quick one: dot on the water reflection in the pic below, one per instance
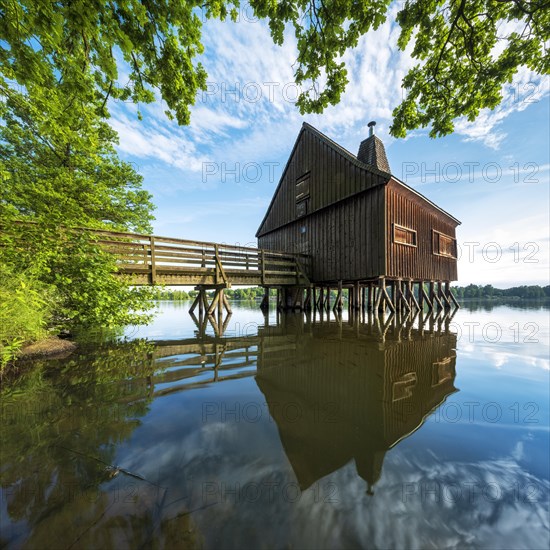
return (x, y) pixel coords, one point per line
(351, 397)
(155, 443)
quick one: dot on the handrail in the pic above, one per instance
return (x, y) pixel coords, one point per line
(154, 257)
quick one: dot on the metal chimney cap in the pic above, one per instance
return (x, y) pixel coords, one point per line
(371, 126)
(371, 123)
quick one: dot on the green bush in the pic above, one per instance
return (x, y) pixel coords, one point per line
(25, 311)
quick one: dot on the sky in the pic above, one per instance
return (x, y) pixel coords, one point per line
(213, 180)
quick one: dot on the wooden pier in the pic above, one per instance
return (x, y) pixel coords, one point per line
(150, 259)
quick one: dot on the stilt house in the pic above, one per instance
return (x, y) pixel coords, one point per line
(357, 224)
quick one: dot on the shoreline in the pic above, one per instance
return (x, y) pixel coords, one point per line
(51, 347)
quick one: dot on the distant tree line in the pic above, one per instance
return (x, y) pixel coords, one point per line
(525, 292)
(234, 293)
(531, 292)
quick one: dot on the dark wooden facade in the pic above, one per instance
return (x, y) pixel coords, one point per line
(353, 219)
(406, 208)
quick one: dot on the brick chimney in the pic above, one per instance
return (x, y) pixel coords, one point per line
(372, 151)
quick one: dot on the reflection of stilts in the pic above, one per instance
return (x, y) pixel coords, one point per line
(217, 320)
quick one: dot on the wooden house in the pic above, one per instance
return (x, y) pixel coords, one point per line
(359, 226)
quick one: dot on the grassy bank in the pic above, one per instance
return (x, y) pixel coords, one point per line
(26, 307)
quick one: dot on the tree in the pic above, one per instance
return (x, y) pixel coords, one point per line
(464, 50)
(71, 175)
(60, 173)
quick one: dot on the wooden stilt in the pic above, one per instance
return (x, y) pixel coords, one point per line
(356, 296)
(265, 300)
(399, 303)
(215, 301)
(220, 307)
(403, 292)
(379, 295)
(370, 298)
(338, 301)
(307, 301)
(387, 298)
(426, 298)
(444, 293)
(412, 297)
(454, 300)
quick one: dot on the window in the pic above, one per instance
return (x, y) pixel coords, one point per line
(403, 388)
(302, 195)
(404, 235)
(441, 371)
(443, 245)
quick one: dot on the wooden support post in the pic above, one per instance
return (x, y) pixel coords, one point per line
(297, 302)
(196, 302)
(153, 260)
(404, 304)
(444, 291)
(307, 301)
(328, 299)
(452, 296)
(379, 294)
(220, 307)
(216, 299)
(412, 297)
(204, 298)
(369, 297)
(338, 302)
(356, 296)
(388, 299)
(427, 299)
(433, 296)
(262, 266)
(217, 266)
(265, 300)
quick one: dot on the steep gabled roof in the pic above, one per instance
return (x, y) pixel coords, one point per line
(371, 145)
(343, 151)
(350, 157)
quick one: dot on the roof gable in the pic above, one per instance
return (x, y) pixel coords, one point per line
(334, 174)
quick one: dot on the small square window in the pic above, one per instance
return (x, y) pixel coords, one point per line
(302, 208)
(443, 245)
(404, 235)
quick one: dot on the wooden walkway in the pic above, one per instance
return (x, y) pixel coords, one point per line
(150, 259)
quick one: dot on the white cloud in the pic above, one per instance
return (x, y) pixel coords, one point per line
(526, 88)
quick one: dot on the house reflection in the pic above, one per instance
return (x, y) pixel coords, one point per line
(347, 394)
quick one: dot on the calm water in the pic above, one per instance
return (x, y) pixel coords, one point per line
(285, 433)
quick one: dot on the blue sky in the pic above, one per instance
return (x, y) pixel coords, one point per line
(214, 179)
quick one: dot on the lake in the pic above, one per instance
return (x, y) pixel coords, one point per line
(285, 431)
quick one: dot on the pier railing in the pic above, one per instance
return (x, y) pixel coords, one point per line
(151, 259)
